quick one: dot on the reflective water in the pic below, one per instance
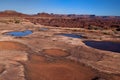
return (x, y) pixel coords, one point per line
(72, 35)
(20, 33)
(43, 29)
(104, 45)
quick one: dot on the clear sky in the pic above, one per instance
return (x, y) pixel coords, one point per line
(97, 7)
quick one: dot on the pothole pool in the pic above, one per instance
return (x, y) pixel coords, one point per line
(104, 45)
(71, 35)
(43, 29)
(19, 33)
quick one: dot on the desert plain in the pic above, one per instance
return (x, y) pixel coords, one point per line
(46, 54)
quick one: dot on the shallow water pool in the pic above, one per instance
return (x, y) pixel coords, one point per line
(71, 35)
(19, 33)
(104, 45)
(43, 29)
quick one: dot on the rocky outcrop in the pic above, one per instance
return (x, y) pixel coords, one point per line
(71, 20)
(85, 22)
(11, 13)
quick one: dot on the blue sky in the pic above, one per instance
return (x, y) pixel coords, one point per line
(97, 7)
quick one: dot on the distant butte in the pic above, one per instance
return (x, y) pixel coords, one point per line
(70, 20)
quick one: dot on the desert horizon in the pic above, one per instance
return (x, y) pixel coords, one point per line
(78, 14)
(60, 40)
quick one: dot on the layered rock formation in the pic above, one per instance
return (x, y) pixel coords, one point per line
(71, 20)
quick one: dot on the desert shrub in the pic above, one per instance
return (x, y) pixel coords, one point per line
(107, 33)
(17, 21)
(10, 20)
(92, 27)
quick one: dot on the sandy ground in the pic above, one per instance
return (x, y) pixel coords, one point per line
(46, 56)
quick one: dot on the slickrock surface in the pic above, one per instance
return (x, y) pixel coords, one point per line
(55, 52)
(44, 55)
(9, 45)
(38, 68)
(10, 68)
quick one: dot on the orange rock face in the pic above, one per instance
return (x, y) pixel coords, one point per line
(84, 22)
